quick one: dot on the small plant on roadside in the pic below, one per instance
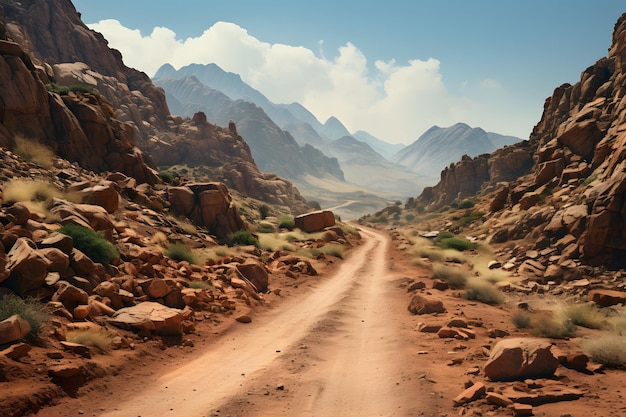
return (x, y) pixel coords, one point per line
(521, 320)
(30, 310)
(552, 327)
(484, 292)
(332, 249)
(96, 338)
(455, 277)
(244, 238)
(91, 243)
(608, 349)
(180, 252)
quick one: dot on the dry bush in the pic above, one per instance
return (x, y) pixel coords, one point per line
(274, 242)
(583, 314)
(332, 249)
(99, 339)
(455, 277)
(33, 151)
(483, 291)
(33, 191)
(608, 349)
(199, 285)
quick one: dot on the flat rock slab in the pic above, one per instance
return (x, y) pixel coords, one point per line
(150, 316)
(544, 395)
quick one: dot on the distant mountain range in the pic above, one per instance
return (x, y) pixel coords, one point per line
(438, 147)
(289, 140)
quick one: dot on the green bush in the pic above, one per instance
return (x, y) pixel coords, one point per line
(409, 217)
(179, 252)
(465, 204)
(199, 285)
(91, 243)
(59, 89)
(265, 227)
(30, 310)
(466, 220)
(244, 238)
(444, 234)
(457, 244)
(81, 88)
(167, 176)
(332, 249)
(286, 222)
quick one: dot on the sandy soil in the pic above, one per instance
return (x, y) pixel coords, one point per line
(341, 345)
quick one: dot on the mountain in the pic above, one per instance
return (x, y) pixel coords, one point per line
(333, 129)
(438, 147)
(118, 120)
(273, 149)
(564, 187)
(363, 166)
(386, 149)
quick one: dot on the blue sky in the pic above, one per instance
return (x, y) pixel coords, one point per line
(391, 68)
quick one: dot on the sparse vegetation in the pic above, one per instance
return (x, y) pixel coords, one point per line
(521, 320)
(273, 242)
(244, 238)
(455, 277)
(332, 249)
(286, 221)
(59, 89)
(97, 338)
(81, 88)
(264, 211)
(167, 176)
(186, 226)
(180, 252)
(471, 218)
(456, 244)
(265, 227)
(199, 285)
(465, 204)
(479, 290)
(608, 349)
(585, 315)
(29, 191)
(30, 310)
(552, 326)
(34, 151)
(91, 243)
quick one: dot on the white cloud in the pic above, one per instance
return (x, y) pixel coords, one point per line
(394, 102)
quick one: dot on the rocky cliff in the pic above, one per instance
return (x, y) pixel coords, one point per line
(115, 114)
(574, 188)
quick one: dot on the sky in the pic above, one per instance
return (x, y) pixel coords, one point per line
(391, 68)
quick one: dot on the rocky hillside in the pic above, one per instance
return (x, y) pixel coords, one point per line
(572, 190)
(118, 108)
(438, 147)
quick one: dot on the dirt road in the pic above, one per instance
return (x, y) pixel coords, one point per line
(337, 351)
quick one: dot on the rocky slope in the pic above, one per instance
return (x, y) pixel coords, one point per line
(574, 186)
(129, 117)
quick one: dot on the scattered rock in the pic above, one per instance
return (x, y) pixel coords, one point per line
(521, 358)
(421, 304)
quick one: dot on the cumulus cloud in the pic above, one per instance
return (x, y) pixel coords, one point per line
(392, 101)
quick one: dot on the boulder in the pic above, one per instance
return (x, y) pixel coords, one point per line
(315, 221)
(606, 298)
(150, 317)
(421, 304)
(28, 268)
(472, 393)
(13, 329)
(58, 241)
(521, 358)
(70, 296)
(256, 273)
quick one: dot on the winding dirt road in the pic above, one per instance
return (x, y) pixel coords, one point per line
(342, 349)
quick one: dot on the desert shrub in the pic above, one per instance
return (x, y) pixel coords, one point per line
(434, 254)
(444, 234)
(552, 327)
(264, 211)
(466, 220)
(465, 204)
(455, 277)
(521, 320)
(452, 255)
(300, 236)
(244, 238)
(484, 292)
(265, 227)
(584, 314)
(456, 243)
(27, 190)
(273, 242)
(409, 217)
(286, 221)
(199, 285)
(91, 243)
(348, 228)
(332, 249)
(59, 89)
(180, 252)
(608, 349)
(34, 151)
(187, 227)
(167, 176)
(29, 309)
(97, 338)
(81, 88)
